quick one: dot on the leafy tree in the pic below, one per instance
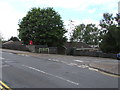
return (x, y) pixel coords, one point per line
(111, 41)
(1, 38)
(110, 34)
(13, 39)
(43, 27)
(107, 21)
(86, 33)
(117, 18)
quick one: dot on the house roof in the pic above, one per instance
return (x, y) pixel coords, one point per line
(13, 43)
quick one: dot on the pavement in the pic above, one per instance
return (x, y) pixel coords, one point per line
(105, 65)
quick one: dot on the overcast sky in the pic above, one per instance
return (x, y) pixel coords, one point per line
(80, 11)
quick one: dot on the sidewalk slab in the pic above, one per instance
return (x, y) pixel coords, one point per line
(108, 68)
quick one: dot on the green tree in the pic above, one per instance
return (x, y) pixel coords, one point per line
(13, 39)
(110, 34)
(43, 27)
(111, 40)
(1, 38)
(107, 21)
(86, 33)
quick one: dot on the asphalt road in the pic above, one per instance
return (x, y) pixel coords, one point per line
(19, 71)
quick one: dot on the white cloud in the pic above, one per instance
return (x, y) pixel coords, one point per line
(92, 10)
(68, 4)
(8, 20)
(73, 4)
(9, 16)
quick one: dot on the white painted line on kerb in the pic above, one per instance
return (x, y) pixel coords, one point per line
(51, 75)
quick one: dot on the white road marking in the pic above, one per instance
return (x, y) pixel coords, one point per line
(10, 53)
(53, 60)
(83, 66)
(5, 65)
(78, 60)
(2, 58)
(9, 61)
(23, 55)
(27, 55)
(51, 75)
(93, 69)
(72, 64)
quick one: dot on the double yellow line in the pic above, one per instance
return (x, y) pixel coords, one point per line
(3, 86)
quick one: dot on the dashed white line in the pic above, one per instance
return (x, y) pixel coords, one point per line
(72, 64)
(72, 82)
(53, 60)
(2, 58)
(5, 66)
(10, 53)
(24, 55)
(78, 60)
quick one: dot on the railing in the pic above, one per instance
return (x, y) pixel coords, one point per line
(44, 50)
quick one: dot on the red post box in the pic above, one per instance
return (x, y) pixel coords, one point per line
(31, 42)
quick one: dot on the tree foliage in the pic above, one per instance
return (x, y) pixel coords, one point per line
(1, 38)
(107, 21)
(86, 33)
(110, 34)
(43, 27)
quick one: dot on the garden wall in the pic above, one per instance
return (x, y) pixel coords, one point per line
(78, 52)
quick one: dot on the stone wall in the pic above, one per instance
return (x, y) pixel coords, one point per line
(32, 48)
(93, 53)
(16, 47)
(53, 50)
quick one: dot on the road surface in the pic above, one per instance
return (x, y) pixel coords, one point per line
(24, 71)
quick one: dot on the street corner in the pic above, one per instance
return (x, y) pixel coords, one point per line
(108, 69)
